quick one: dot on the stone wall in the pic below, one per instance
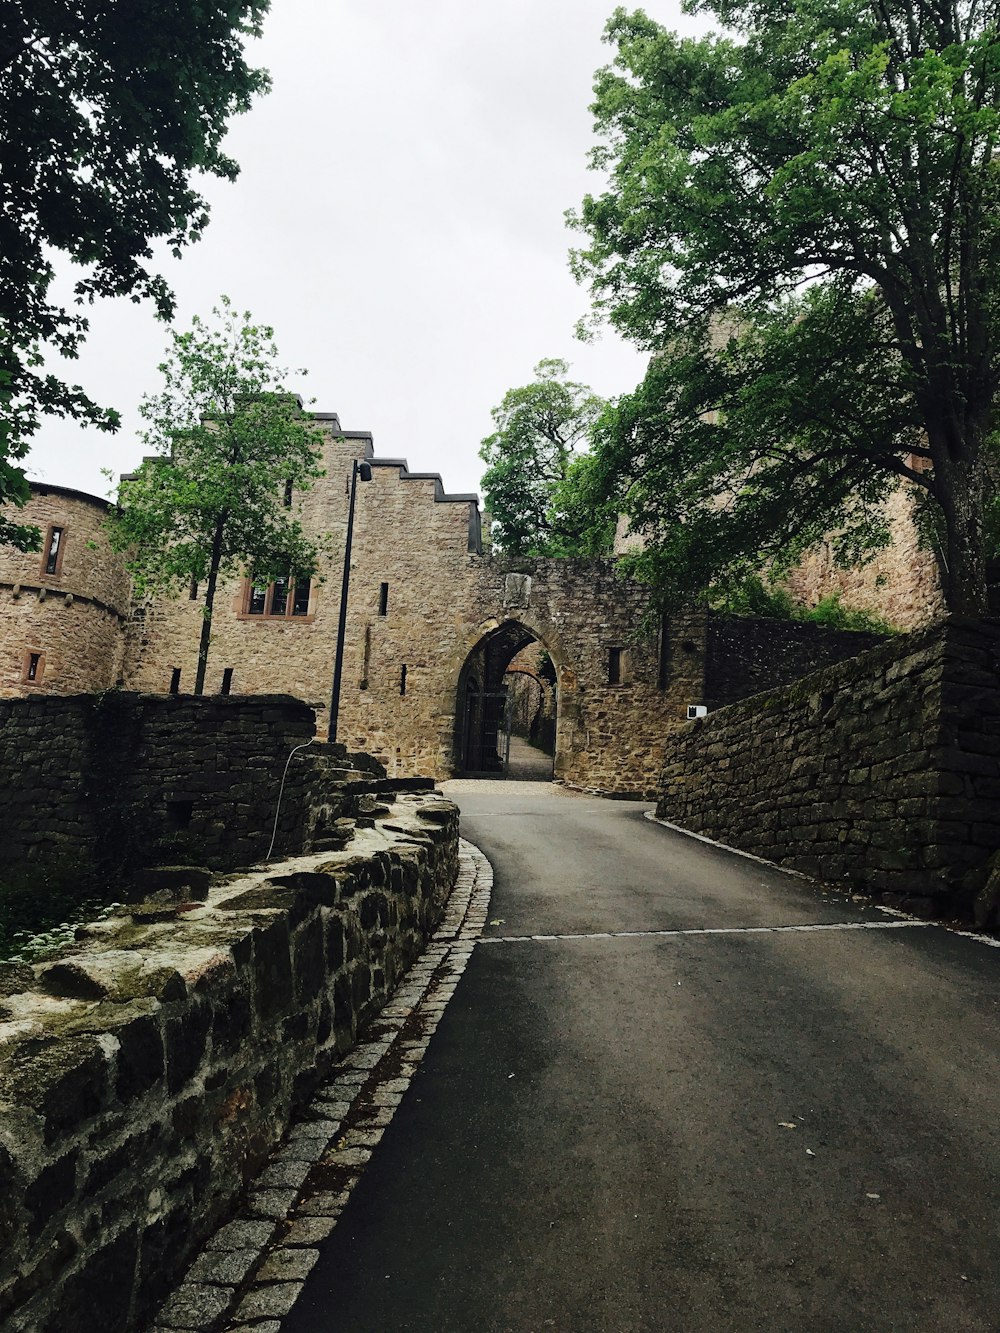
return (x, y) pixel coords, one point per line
(109, 783)
(426, 601)
(266, 654)
(746, 655)
(884, 770)
(146, 1074)
(902, 584)
(71, 619)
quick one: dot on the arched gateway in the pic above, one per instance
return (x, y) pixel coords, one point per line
(507, 694)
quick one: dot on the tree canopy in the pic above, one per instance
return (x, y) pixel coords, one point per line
(230, 445)
(107, 112)
(537, 478)
(801, 224)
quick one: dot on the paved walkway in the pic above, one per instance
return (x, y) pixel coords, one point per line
(678, 1090)
(528, 764)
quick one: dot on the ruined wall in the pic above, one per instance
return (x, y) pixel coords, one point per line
(901, 585)
(146, 1075)
(884, 769)
(73, 618)
(114, 782)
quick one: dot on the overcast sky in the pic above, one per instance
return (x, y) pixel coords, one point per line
(398, 219)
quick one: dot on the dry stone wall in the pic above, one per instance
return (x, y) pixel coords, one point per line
(108, 784)
(746, 655)
(884, 769)
(147, 1073)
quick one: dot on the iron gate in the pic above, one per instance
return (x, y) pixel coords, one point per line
(487, 731)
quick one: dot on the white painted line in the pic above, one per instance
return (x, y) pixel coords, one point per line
(713, 930)
(723, 846)
(992, 941)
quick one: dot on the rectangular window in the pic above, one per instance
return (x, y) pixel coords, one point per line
(175, 680)
(53, 547)
(279, 597)
(227, 681)
(193, 590)
(615, 664)
(288, 494)
(300, 602)
(383, 599)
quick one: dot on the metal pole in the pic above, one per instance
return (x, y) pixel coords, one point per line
(338, 665)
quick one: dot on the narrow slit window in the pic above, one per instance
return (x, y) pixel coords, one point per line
(402, 679)
(34, 671)
(300, 601)
(175, 680)
(193, 590)
(227, 681)
(52, 549)
(663, 675)
(288, 494)
(383, 599)
(614, 666)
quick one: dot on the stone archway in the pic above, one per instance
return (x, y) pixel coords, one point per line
(482, 704)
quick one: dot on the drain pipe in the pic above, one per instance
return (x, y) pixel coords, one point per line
(281, 790)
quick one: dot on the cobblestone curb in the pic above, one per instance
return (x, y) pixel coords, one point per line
(251, 1271)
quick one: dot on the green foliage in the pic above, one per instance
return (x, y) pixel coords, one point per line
(108, 111)
(833, 615)
(40, 907)
(753, 597)
(538, 479)
(802, 219)
(228, 438)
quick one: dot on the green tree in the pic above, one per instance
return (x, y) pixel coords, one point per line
(108, 111)
(229, 440)
(825, 179)
(536, 479)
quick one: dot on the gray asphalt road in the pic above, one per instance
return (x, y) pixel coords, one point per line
(730, 1130)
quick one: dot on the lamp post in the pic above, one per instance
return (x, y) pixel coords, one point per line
(364, 471)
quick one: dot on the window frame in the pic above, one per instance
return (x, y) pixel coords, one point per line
(288, 615)
(56, 570)
(618, 666)
(39, 655)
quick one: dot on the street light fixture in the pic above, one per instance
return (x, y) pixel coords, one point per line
(364, 471)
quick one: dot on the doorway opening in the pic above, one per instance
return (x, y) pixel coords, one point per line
(507, 708)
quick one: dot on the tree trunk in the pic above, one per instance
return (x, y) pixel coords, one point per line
(960, 493)
(206, 624)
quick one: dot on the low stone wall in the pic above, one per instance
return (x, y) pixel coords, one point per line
(110, 782)
(146, 1076)
(884, 769)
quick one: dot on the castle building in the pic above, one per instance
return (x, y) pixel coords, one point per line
(442, 638)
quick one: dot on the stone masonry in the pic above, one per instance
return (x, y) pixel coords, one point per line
(74, 618)
(884, 769)
(107, 784)
(148, 1072)
(426, 602)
